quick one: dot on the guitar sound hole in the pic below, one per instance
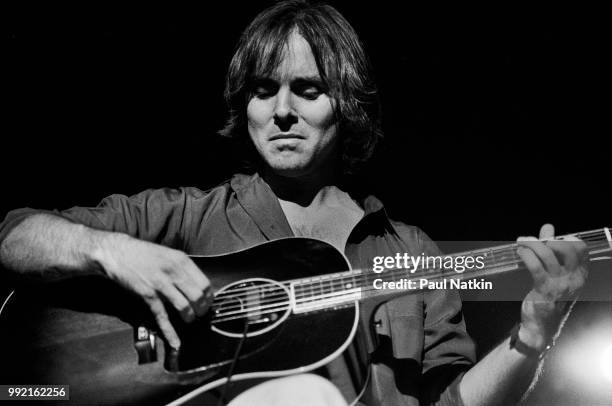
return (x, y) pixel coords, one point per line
(255, 304)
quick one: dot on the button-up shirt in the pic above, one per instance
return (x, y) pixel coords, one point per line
(416, 344)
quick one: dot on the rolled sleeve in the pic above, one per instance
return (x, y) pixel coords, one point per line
(153, 215)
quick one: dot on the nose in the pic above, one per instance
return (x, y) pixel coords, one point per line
(284, 113)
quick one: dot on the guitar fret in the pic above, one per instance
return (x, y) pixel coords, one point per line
(492, 259)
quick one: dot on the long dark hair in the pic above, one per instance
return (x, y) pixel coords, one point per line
(342, 64)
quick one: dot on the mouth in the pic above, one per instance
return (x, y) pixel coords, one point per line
(286, 136)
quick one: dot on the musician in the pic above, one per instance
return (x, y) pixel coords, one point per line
(304, 112)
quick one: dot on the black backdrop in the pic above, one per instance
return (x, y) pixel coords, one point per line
(494, 113)
(492, 116)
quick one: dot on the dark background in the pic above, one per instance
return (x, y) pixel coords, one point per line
(493, 116)
(493, 113)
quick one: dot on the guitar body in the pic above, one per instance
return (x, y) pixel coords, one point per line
(82, 333)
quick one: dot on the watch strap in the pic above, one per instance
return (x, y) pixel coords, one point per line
(520, 346)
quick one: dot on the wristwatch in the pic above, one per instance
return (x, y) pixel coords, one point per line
(520, 346)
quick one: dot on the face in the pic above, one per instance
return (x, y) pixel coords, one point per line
(290, 116)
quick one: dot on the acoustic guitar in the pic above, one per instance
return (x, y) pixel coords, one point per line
(283, 307)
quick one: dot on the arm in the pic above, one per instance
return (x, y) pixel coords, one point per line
(500, 378)
(47, 247)
(504, 375)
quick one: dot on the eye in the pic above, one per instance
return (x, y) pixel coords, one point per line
(308, 89)
(263, 92)
(264, 89)
(310, 93)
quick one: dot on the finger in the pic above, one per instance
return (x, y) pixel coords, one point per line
(192, 283)
(162, 320)
(177, 300)
(533, 264)
(547, 231)
(198, 299)
(544, 254)
(570, 252)
(196, 274)
(203, 290)
(581, 247)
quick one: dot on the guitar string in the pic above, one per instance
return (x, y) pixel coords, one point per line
(254, 311)
(590, 236)
(243, 316)
(329, 286)
(329, 291)
(285, 305)
(334, 296)
(338, 285)
(339, 295)
(507, 250)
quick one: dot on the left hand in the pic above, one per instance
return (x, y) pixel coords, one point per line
(559, 272)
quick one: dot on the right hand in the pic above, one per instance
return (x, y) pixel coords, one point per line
(157, 274)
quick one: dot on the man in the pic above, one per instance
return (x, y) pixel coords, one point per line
(304, 109)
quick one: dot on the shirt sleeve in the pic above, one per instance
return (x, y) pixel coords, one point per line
(444, 349)
(448, 350)
(156, 215)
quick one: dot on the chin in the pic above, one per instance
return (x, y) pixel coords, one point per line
(289, 172)
(289, 168)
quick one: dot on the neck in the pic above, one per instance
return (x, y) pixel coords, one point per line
(301, 190)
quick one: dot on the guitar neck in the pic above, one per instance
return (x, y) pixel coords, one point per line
(331, 290)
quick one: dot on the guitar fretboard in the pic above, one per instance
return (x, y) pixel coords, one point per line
(334, 289)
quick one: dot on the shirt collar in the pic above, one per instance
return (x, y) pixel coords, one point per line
(260, 203)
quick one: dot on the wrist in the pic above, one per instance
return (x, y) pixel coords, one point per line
(532, 338)
(104, 244)
(529, 342)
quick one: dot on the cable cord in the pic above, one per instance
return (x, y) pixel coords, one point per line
(230, 372)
